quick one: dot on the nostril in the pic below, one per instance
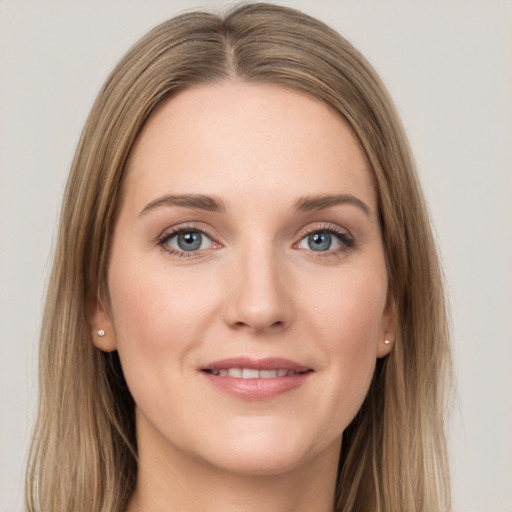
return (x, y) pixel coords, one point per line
(248, 325)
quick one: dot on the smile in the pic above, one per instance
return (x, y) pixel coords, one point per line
(256, 379)
(251, 373)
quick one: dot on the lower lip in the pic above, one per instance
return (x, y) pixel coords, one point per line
(257, 389)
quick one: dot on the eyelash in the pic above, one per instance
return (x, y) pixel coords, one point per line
(347, 241)
(168, 235)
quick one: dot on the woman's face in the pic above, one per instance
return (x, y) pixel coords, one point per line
(247, 280)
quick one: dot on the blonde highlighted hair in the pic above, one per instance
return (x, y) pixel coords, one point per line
(84, 453)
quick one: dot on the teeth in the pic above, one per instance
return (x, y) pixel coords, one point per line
(268, 374)
(251, 373)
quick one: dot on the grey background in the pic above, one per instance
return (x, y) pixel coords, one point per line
(448, 66)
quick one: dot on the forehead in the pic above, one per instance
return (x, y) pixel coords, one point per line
(230, 138)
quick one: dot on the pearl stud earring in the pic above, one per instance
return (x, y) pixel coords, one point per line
(101, 333)
(387, 342)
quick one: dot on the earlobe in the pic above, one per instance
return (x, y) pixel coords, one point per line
(384, 348)
(100, 325)
(387, 335)
(104, 341)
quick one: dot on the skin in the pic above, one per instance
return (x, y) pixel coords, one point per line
(255, 288)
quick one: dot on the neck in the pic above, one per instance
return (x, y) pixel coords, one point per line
(170, 480)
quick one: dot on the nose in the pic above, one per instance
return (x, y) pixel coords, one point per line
(259, 295)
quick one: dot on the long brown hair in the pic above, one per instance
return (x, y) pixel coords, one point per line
(84, 453)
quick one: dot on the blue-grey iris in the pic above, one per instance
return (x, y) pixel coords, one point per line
(319, 241)
(190, 241)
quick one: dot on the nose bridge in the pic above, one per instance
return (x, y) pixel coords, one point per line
(258, 298)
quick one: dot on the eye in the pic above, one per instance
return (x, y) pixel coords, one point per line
(323, 240)
(186, 240)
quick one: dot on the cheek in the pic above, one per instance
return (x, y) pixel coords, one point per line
(346, 316)
(349, 307)
(152, 306)
(157, 319)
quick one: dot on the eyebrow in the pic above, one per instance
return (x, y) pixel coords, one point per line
(197, 201)
(322, 202)
(213, 204)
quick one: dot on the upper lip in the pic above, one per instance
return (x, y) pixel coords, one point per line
(268, 363)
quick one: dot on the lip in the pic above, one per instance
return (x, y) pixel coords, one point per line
(268, 363)
(261, 388)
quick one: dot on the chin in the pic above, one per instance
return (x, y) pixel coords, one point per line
(268, 450)
(258, 462)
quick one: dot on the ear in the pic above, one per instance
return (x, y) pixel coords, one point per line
(388, 327)
(100, 324)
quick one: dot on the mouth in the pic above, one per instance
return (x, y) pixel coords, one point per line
(256, 379)
(251, 373)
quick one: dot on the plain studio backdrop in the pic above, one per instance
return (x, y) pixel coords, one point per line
(448, 67)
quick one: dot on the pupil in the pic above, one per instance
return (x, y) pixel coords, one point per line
(190, 241)
(319, 241)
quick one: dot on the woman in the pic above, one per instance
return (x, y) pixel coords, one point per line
(246, 299)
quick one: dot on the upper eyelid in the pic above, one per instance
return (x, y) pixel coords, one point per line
(300, 234)
(192, 226)
(313, 229)
(343, 235)
(332, 228)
